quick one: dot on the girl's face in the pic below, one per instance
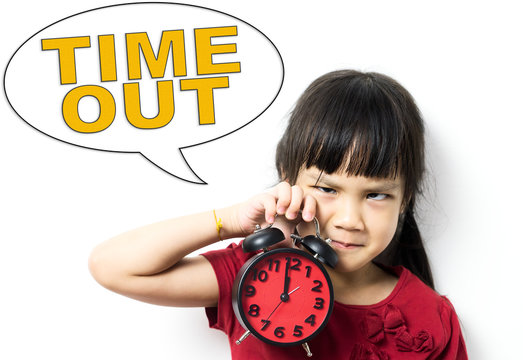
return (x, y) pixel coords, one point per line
(358, 214)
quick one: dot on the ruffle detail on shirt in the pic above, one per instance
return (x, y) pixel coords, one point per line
(367, 352)
(423, 342)
(376, 325)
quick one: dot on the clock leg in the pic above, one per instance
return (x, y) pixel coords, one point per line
(307, 349)
(243, 337)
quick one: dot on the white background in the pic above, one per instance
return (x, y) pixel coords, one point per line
(462, 62)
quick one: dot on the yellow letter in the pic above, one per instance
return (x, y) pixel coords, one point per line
(107, 57)
(156, 64)
(204, 88)
(133, 110)
(70, 109)
(66, 47)
(205, 50)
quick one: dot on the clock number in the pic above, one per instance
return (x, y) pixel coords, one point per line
(318, 286)
(266, 323)
(276, 264)
(278, 332)
(297, 263)
(254, 310)
(308, 268)
(297, 331)
(311, 320)
(261, 275)
(250, 290)
(319, 303)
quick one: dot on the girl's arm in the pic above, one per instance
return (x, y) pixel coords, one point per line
(151, 264)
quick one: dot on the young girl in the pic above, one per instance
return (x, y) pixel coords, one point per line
(353, 157)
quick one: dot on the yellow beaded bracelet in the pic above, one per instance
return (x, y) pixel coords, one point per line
(219, 224)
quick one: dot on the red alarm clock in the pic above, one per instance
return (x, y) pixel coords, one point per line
(284, 296)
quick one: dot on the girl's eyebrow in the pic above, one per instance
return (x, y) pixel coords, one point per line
(316, 176)
(384, 187)
(377, 185)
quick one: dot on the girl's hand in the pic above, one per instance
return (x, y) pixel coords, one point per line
(283, 200)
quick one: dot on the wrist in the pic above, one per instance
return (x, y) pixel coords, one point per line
(230, 227)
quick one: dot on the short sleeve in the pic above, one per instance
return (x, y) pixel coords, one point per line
(455, 348)
(226, 264)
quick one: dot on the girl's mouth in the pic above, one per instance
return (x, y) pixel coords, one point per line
(345, 246)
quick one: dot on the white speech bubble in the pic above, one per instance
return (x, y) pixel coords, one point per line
(34, 89)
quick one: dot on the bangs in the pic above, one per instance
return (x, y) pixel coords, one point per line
(356, 131)
(360, 124)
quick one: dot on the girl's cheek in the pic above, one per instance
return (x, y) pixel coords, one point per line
(384, 223)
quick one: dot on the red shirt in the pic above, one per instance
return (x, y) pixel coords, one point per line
(413, 322)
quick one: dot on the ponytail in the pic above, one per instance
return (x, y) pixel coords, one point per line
(406, 249)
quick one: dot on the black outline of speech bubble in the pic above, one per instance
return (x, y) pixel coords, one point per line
(138, 152)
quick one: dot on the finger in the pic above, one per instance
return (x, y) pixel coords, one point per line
(309, 208)
(283, 194)
(296, 202)
(269, 204)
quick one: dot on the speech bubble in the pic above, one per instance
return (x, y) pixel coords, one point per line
(148, 78)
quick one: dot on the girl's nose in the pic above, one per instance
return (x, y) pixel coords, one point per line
(349, 217)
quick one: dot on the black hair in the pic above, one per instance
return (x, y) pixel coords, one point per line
(365, 124)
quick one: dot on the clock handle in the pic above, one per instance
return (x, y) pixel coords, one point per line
(319, 248)
(297, 239)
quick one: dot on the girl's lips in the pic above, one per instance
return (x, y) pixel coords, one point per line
(342, 245)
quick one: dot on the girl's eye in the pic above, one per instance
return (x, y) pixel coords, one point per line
(377, 196)
(325, 189)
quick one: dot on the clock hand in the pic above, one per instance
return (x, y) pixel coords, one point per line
(294, 290)
(277, 306)
(266, 323)
(285, 294)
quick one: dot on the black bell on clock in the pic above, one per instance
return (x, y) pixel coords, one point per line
(262, 239)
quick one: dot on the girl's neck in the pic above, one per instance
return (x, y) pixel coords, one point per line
(366, 286)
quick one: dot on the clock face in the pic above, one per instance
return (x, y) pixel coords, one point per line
(283, 296)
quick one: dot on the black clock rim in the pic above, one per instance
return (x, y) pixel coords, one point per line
(236, 298)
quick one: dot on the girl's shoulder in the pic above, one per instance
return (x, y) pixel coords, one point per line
(413, 288)
(415, 318)
(410, 294)
(413, 295)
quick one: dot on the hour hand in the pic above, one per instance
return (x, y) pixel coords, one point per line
(285, 294)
